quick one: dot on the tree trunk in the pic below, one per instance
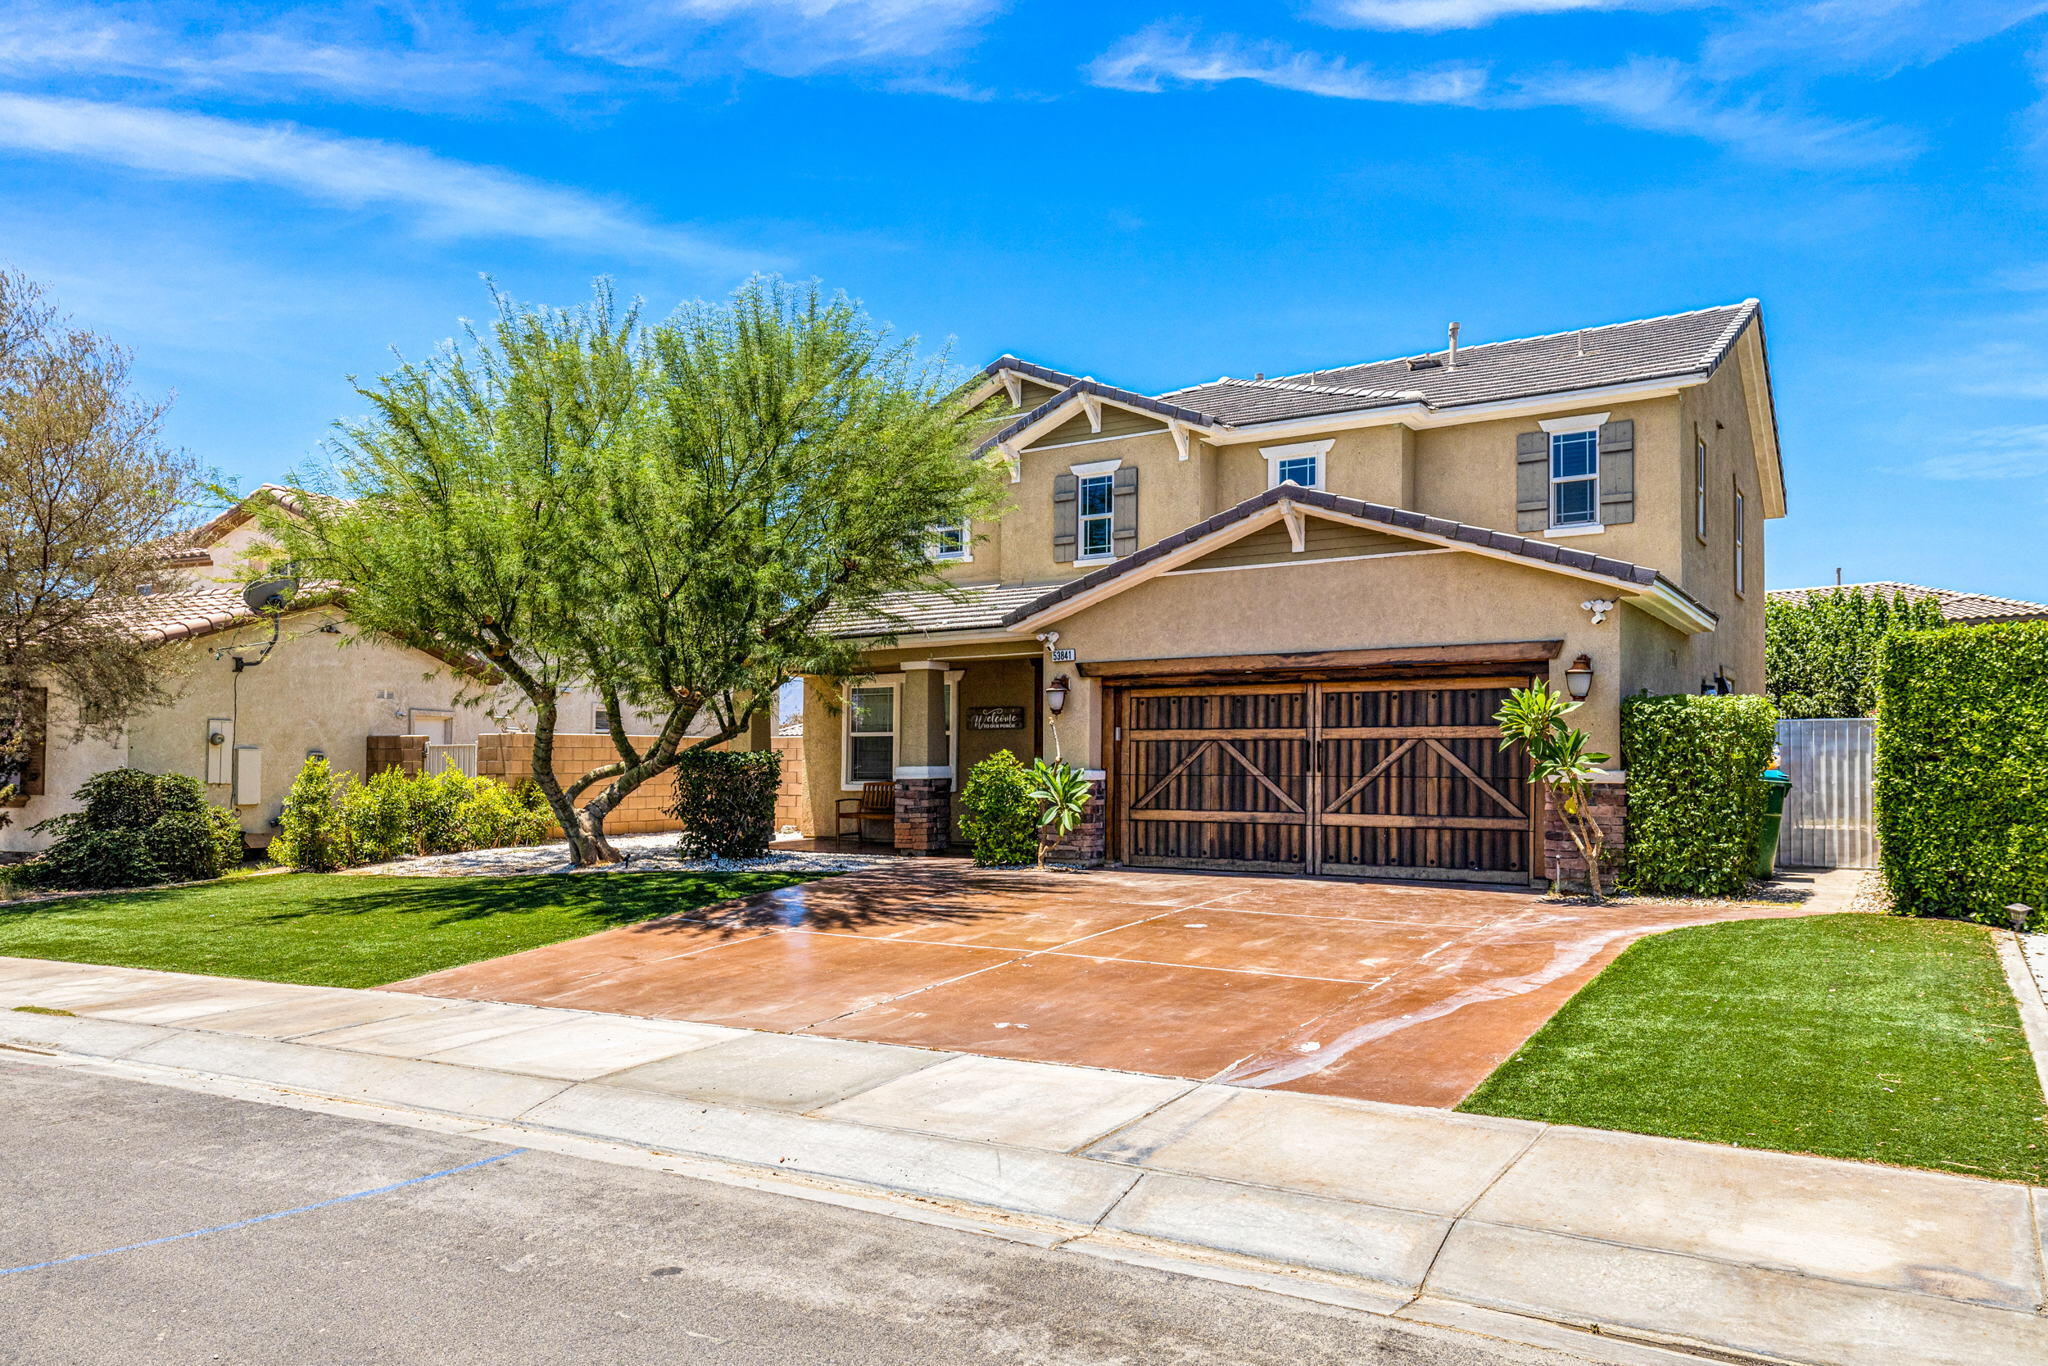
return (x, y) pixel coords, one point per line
(588, 845)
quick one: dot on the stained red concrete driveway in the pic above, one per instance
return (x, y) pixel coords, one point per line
(1402, 993)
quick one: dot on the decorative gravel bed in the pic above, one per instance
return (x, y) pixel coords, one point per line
(642, 854)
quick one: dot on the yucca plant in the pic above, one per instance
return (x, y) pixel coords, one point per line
(1533, 718)
(1062, 791)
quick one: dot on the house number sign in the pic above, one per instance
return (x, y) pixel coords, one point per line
(995, 718)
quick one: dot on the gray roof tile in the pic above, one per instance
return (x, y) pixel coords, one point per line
(920, 611)
(1955, 606)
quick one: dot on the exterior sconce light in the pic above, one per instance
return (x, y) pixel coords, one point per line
(1578, 679)
(1056, 694)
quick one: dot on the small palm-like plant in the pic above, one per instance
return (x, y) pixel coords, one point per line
(1062, 791)
(1533, 718)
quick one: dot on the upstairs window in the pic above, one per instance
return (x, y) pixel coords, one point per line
(600, 721)
(948, 542)
(1300, 462)
(1097, 494)
(1699, 487)
(1575, 478)
(1741, 568)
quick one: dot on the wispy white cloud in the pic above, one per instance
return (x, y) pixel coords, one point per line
(440, 195)
(785, 37)
(1884, 35)
(298, 52)
(1993, 453)
(1656, 96)
(1436, 15)
(1150, 60)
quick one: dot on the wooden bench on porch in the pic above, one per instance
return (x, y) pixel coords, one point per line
(874, 807)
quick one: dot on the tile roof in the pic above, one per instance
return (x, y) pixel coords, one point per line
(158, 618)
(1668, 347)
(1955, 606)
(920, 611)
(1546, 552)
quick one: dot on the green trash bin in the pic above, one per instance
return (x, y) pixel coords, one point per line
(1776, 787)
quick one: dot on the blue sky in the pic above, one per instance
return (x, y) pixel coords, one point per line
(261, 199)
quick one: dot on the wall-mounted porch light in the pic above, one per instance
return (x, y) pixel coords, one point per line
(1056, 694)
(1578, 679)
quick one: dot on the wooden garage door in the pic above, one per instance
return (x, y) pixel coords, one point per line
(1364, 779)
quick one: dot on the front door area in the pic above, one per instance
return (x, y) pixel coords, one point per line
(1364, 779)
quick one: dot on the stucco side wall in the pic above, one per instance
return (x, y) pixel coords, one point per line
(1718, 412)
(314, 692)
(1438, 599)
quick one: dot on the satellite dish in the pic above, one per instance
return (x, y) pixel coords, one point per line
(268, 596)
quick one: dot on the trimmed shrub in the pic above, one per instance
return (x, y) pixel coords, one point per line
(493, 816)
(378, 815)
(1695, 795)
(1000, 815)
(436, 802)
(726, 801)
(310, 832)
(1962, 770)
(135, 829)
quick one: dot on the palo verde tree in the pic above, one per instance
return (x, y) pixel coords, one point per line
(1820, 654)
(666, 513)
(88, 493)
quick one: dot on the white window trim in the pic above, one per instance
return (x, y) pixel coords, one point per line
(1298, 450)
(1082, 473)
(1699, 493)
(1556, 527)
(966, 553)
(894, 683)
(1565, 426)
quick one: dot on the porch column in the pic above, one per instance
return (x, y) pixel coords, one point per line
(924, 780)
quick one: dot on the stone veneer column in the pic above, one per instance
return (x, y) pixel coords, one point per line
(1089, 841)
(924, 779)
(1561, 861)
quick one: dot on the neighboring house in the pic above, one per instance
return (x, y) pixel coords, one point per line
(1967, 609)
(323, 689)
(1272, 618)
(246, 731)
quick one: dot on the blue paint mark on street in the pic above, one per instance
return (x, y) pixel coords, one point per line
(265, 1218)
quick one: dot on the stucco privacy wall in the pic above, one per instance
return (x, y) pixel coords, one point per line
(1449, 598)
(315, 691)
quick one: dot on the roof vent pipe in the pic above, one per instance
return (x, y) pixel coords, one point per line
(1451, 360)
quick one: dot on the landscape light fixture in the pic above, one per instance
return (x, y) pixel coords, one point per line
(1578, 679)
(1056, 694)
(2019, 915)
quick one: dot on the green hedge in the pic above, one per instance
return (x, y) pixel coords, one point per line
(1695, 802)
(999, 815)
(726, 801)
(1962, 770)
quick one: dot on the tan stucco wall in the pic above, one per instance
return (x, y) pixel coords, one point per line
(1718, 412)
(314, 691)
(1443, 599)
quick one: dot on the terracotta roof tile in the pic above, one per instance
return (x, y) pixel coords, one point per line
(1955, 606)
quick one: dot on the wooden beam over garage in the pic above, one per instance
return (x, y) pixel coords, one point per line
(1390, 658)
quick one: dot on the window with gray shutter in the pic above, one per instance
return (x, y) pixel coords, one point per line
(1066, 490)
(1126, 510)
(1532, 481)
(1617, 472)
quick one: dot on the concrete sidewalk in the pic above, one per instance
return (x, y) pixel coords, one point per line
(1498, 1226)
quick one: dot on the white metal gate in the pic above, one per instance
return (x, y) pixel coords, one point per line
(1828, 819)
(461, 758)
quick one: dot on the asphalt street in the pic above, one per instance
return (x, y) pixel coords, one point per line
(141, 1224)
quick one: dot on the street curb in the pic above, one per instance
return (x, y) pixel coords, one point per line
(1412, 1213)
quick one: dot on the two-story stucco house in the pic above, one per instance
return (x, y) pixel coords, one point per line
(1273, 617)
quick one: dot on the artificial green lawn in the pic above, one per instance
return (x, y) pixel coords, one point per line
(352, 931)
(1860, 1036)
